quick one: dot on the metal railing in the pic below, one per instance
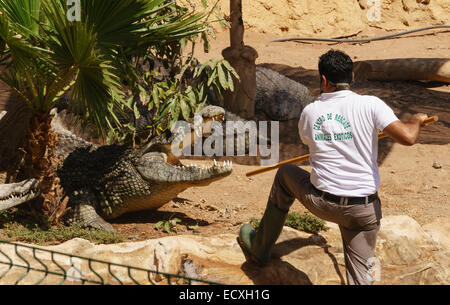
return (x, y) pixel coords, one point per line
(30, 265)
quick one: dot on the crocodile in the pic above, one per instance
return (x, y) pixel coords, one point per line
(13, 194)
(105, 182)
(279, 97)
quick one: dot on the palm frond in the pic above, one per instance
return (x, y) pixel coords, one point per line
(27, 66)
(118, 21)
(76, 51)
(177, 28)
(24, 14)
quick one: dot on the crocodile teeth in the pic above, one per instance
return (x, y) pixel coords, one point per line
(215, 163)
(31, 192)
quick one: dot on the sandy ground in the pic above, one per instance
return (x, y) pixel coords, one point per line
(410, 185)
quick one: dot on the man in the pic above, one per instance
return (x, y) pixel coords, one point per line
(341, 131)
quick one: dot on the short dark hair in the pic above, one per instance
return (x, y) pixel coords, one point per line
(336, 66)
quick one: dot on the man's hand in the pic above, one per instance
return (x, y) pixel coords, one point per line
(406, 133)
(419, 118)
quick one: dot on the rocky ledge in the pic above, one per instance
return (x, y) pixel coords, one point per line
(406, 254)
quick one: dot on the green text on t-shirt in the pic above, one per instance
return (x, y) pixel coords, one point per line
(342, 136)
(329, 116)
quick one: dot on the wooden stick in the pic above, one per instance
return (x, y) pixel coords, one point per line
(303, 158)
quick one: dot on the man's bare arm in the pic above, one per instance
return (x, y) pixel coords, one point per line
(406, 133)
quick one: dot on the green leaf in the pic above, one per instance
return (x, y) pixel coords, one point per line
(137, 114)
(167, 227)
(230, 68)
(192, 98)
(206, 45)
(212, 78)
(163, 113)
(130, 127)
(227, 65)
(230, 81)
(183, 43)
(199, 71)
(193, 227)
(159, 224)
(213, 63)
(155, 95)
(150, 104)
(185, 109)
(175, 116)
(222, 78)
(223, 23)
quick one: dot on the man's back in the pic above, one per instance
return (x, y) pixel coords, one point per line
(341, 131)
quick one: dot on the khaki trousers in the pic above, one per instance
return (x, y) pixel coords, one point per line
(359, 223)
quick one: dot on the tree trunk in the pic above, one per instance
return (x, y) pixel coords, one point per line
(242, 58)
(38, 161)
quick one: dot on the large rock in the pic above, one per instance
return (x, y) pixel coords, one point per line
(407, 255)
(439, 231)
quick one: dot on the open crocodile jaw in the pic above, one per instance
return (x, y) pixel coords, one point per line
(155, 170)
(14, 194)
(167, 181)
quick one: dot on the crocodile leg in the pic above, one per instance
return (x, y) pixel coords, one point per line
(83, 213)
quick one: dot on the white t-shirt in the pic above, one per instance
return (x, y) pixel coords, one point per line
(341, 131)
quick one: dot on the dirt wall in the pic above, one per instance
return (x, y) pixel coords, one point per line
(334, 18)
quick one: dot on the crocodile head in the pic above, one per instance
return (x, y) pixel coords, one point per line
(156, 182)
(14, 194)
(159, 177)
(200, 125)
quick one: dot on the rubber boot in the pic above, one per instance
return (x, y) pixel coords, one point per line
(257, 245)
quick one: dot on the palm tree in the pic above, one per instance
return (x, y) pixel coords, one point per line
(46, 56)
